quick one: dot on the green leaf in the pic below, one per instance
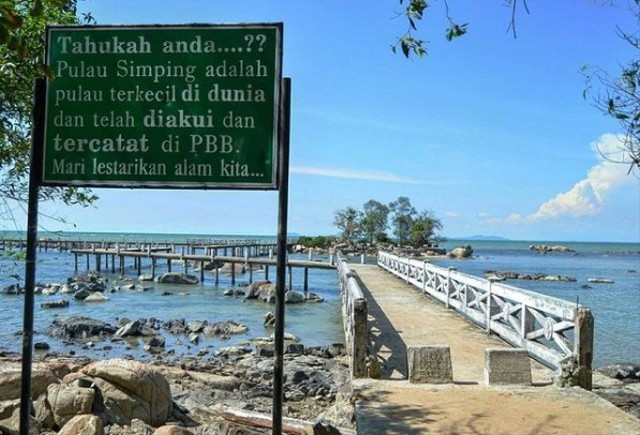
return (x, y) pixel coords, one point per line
(404, 44)
(37, 9)
(456, 30)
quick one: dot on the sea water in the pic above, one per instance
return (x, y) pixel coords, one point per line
(616, 306)
(314, 323)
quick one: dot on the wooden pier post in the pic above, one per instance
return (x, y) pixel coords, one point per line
(306, 282)
(153, 267)
(233, 274)
(75, 262)
(202, 271)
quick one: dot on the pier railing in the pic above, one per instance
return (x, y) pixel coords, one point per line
(354, 315)
(555, 332)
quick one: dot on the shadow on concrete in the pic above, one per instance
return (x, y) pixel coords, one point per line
(384, 341)
(377, 414)
(391, 418)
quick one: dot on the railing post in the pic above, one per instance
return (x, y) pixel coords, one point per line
(424, 276)
(488, 305)
(583, 346)
(527, 323)
(449, 269)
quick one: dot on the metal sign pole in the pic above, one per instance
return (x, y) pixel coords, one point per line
(283, 191)
(35, 174)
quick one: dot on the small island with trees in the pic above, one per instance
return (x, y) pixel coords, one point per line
(364, 231)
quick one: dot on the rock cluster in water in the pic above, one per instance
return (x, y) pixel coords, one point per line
(501, 275)
(623, 390)
(92, 288)
(543, 249)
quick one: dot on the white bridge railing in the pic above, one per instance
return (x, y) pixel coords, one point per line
(552, 330)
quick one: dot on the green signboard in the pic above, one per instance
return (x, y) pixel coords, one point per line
(163, 106)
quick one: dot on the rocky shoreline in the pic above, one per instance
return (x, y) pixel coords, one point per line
(163, 376)
(180, 396)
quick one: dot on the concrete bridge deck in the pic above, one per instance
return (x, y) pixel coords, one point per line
(400, 316)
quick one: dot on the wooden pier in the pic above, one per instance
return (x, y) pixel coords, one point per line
(115, 261)
(231, 247)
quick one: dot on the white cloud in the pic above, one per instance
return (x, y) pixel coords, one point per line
(353, 174)
(587, 196)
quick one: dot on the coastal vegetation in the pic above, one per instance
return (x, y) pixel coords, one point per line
(370, 224)
(22, 28)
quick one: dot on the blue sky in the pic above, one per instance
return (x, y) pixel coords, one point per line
(490, 133)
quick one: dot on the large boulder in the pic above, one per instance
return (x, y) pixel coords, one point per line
(252, 291)
(267, 293)
(85, 424)
(293, 297)
(11, 381)
(67, 401)
(177, 278)
(11, 425)
(464, 251)
(129, 389)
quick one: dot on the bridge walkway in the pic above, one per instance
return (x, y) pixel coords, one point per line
(400, 316)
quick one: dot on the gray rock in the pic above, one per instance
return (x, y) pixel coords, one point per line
(293, 297)
(627, 372)
(79, 327)
(228, 327)
(196, 326)
(252, 291)
(96, 297)
(131, 329)
(12, 289)
(82, 294)
(62, 303)
(177, 278)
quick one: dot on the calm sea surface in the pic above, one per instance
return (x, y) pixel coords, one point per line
(616, 306)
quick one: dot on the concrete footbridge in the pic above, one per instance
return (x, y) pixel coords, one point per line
(436, 351)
